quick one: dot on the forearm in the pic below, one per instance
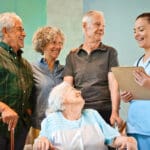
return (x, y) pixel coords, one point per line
(114, 93)
(115, 98)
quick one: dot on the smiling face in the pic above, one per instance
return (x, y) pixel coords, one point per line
(15, 35)
(142, 32)
(53, 48)
(94, 27)
(73, 97)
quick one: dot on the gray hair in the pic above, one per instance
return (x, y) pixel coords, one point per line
(88, 15)
(7, 20)
(56, 97)
(45, 35)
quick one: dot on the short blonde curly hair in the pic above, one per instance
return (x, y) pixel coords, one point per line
(45, 35)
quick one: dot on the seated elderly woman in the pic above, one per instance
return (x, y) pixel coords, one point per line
(70, 127)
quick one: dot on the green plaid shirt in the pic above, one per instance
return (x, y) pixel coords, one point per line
(16, 84)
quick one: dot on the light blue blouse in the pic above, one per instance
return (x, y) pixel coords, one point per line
(89, 132)
(138, 114)
(44, 81)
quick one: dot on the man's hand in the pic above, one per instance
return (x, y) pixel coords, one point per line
(9, 116)
(115, 119)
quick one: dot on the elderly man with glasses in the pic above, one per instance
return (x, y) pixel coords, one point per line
(16, 82)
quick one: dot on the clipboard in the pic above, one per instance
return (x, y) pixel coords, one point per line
(126, 81)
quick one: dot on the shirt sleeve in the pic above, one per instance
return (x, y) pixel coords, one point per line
(68, 70)
(109, 132)
(46, 131)
(2, 89)
(113, 58)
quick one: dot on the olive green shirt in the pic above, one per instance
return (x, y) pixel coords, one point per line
(16, 84)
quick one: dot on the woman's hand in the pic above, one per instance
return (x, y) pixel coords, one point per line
(42, 143)
(142, 78)
(124, 142)
(126, 96)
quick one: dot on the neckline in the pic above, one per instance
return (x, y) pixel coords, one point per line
(71, 121)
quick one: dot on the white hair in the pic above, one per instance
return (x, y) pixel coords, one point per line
(55, 100)
(7, 20)
(88, 15)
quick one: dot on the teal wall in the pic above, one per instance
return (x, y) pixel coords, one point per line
(120, 16)
(33, 14)
(66, 14)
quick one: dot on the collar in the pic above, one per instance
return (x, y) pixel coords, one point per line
(101, 47)
(10, 50)
(57, 66)
(42, 61)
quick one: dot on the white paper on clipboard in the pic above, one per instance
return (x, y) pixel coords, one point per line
(126, 81)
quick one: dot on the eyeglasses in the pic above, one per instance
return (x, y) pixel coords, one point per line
(20, 29)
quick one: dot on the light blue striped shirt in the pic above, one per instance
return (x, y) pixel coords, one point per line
(90, 132)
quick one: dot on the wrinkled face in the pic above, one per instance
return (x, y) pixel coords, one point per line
(142, 32)
(73, 97)
(14, 36)
(94, 29)
(52, 49)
